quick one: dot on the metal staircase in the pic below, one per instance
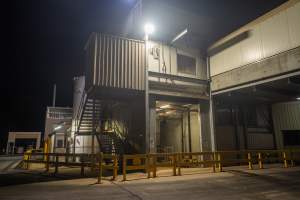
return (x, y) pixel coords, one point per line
(90, 115)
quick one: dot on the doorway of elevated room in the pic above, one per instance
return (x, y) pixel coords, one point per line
(176, 127)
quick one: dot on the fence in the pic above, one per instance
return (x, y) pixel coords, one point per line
(149, 163)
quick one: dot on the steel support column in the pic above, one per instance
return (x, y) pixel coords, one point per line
(147, 123)
(211, 114)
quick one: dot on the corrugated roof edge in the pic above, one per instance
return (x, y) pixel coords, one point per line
(94, 34)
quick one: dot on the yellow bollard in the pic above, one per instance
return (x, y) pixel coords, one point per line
(47, 162)
(174, 164)
(250, 161)
(148, 166)
(260, 163)
(285, 164)
(178, 163)
(124, 167)
(291, 158)
(115, 167)
(29, 158)
(154, 166)
(220, 162)
(214, 162)
(56, 165)
(100, 168)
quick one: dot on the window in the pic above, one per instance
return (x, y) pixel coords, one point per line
(291, 137)
(186, 64)
(59, 143)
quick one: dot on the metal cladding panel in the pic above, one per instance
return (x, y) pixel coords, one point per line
(293, 16)
(275, 35)
(116, 62)
(286, 116)
(275, 32)
(260, 141)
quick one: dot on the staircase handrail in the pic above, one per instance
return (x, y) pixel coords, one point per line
(118, 132)
(80, 108)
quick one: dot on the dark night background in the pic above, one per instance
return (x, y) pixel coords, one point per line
(47, 40)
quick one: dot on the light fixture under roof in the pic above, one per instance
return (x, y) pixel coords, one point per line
(58, 127)
(165, 106)
(298, 98)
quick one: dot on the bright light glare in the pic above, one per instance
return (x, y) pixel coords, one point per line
(298, 98)
(165, 106)
(149, 28)
(58, 127)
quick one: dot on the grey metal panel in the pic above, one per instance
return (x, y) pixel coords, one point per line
(284, 63)
(115, 62)
(260, 141)
(286, 116)
(274, 33)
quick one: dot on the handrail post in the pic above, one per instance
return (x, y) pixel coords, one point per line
(82, 166)
(154, 165)
(100, 168)
(29, 158)
(250, 161)
(291, 158)
(148, 165)
(56, 164)
(124, 167)
(47, 162)
(115, 167)
(178, 163)
(174, 164)
(214, 161)
(220, 162)
(285, 164)
(260, 162)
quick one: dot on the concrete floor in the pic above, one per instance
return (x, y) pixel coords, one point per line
(236, 183)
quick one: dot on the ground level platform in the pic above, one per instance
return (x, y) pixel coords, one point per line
(238, 182)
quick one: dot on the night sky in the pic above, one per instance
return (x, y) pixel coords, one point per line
(46, 47)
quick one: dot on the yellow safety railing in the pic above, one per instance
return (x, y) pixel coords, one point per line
(199, 159)
(163, 160)
(149, 163)
(135, 162)
(107, 162)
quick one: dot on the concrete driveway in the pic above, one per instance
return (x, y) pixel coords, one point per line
(235, 183)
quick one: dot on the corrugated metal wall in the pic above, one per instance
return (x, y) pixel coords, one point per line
(115, 62)
(273, 33)
(163, 59)
(286, 116)
(260, 141)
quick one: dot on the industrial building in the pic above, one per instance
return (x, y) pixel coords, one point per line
(57, 129)
(19, 142)
(255, 82)
(141, 94)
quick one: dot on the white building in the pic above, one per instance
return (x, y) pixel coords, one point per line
(19, 142)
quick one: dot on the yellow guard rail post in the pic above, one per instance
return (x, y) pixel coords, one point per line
(56, 164)
(260, 160)
(115, 167)
(100, 156)
(285, 163)
(220, 162)
(137, 160)
(250, 164)
(47, 162)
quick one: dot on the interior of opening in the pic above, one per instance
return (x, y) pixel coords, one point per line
(177, 127)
